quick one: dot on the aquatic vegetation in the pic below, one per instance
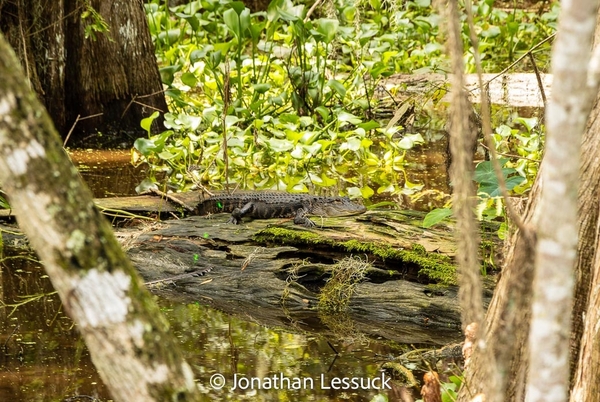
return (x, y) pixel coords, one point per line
(281, 100)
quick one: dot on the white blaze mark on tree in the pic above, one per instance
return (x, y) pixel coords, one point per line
(18, 160)
(97, 287)
(6, 105)
(137, 333)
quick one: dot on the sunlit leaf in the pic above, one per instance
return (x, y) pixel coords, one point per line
(529, 123)
(351, 143)
(409, 141)
(189, 79)
(146, 185)
(166, 155)
(146, 123)
(367, 192)
(278, 145)
(232, 21)
(436, 216)
(348, 117)
(145, 146)
(369, 125)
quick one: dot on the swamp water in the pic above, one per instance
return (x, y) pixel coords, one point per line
(44, 359)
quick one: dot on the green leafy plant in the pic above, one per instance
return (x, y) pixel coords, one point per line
(273, 100)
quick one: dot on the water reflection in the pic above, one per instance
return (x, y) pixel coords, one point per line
(44, 359)
(216, 343)
(108, 173)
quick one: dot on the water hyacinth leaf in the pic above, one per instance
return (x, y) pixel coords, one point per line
(238, 7)
(338, 87)
(232, 21)
(166, 155)
(145, 185)
(492, 189)
(328, 28)
(146, 123)
(167, 74)
(313, 148)
(231, 120)
(369, 125)
(189, 79)
(300, 187)
(409, 141)
(354, 192)
(294, 136)
(145, 146)
(484, 172)
(323, 111)
(436, 216)
(170, 37)
(191, 19)
(314, 179)
(328, 181)
(352, 143)
(261, 88)
(503, 130)
(386, 189)
(188, 122)
(529, 123)
(367, 192)
(278, 145)
(348, 117)
(298, 152)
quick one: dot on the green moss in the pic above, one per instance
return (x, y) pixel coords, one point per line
(287, 236)
(437, 267)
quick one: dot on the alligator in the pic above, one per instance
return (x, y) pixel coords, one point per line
(278, 204)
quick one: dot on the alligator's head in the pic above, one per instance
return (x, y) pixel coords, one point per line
(335, 206)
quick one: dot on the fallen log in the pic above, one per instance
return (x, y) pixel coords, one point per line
(271, 271)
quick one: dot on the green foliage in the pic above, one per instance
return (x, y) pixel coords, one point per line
(436, 216)
(450, 389)
(519, 138)
(505, 35)
(273, 100)
(95, 23)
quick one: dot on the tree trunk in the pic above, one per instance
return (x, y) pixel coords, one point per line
(585, 350)
(509, 312)
(127, 336)
(114, 78)
(556, 228)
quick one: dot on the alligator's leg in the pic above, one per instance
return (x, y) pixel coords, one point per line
(238, 213)
(302, 219)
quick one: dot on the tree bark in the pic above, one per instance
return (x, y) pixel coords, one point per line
(556, 229)
(585, 350)
(127, 336)
(508, 314)
(114, 78)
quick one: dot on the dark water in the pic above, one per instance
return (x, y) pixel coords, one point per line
(108, 173)
(42, 357)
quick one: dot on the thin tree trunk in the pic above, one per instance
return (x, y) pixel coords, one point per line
(463, 139)
(127, 336)
(509, 311)
(585, 348)
(589, 234)
(557, 229)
